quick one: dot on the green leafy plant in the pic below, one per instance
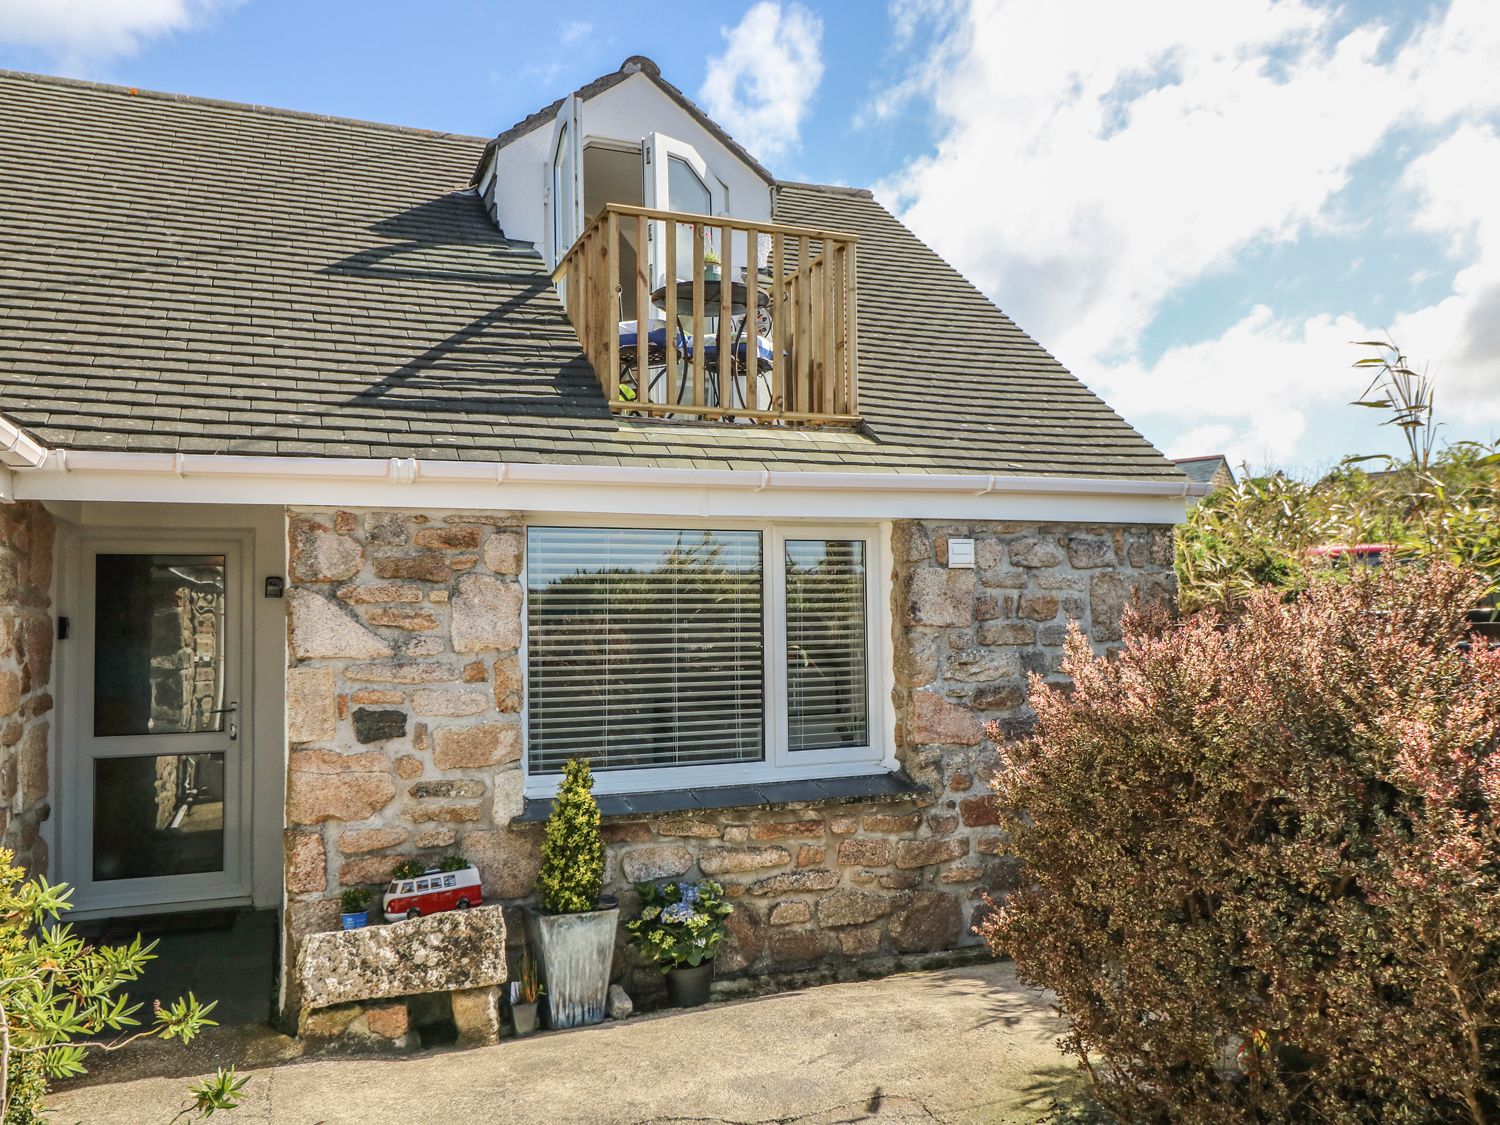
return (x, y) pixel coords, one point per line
(58, 1002)
(680, 924)
(353, 900)
(1259, 857)
(408, 869)
(452, 863)
(572, 871)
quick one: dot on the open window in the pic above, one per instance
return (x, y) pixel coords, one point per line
(565, 181)
(677, 178)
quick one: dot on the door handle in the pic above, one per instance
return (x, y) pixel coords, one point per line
(234, 727)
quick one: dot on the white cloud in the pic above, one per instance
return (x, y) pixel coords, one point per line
(761, 85)
(80, 32)
(1088, 170)
(574, 30)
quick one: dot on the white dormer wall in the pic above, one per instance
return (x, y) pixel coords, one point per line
(627, 113)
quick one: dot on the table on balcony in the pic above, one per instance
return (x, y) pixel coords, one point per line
(713, 299)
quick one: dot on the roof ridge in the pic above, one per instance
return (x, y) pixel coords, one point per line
(831, 189)
(224, 103)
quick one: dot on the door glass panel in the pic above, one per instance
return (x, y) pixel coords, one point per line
(159, 644)
(686, 192)
(562, 195)
(159, 814)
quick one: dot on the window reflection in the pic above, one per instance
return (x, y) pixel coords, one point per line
(158, 815)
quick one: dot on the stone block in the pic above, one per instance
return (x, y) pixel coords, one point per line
(408, 766)
(451, 951)
(378, 594)
(368, 869)
(1007, 633)
(844, 825)
(865, 853)
(724, 861)
(852, 908)
(319, 554)
(362, 840)
(932, 921)
(321, 630)
(790, 913)
(444, 814)
(1034, 552)
(809, 855)
(892, 822)
(795, 882)
(429, 566)
(448, 538)
(932, 719)
(306, 863)
(371, 725)
(485, 744)
(503, 552)
(399, 617)
(664, 861)
(925, 853)
(508, 860)
(981, 665)
(476, 1014)
(980, 812)
(385, 529)
(508, 684)
(509, 800)
(941, 597)
(963, 873)
(486, 614)
(942, 824)
(1038, 607)
(695, 829)
(1001, 697)
(618, 1005)
(32, 773)
(402, 671)
(1109, 593)
(787, 945)
(787, 829)
(387, 1021)
(434, 838)
(448, 704)
(860, 942)
(325, 785)
(448, 789)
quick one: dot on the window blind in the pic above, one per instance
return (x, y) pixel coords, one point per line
(644, 647)
(826, 666)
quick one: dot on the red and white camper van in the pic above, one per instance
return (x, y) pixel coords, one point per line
(432, 892)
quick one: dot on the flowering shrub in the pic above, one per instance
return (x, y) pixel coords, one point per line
(681, 924)
(1263, 859)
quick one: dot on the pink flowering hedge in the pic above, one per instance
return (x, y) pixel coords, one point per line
(1263, 859)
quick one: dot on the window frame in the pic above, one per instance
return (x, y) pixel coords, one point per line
(779, 763)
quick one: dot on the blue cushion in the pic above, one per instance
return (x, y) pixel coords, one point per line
(656, 337)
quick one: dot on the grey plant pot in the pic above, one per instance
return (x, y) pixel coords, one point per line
(523, 1017)
(577, 951)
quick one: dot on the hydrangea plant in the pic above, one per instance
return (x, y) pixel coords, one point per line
(680, 924)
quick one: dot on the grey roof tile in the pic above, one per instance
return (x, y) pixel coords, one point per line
(184, 274)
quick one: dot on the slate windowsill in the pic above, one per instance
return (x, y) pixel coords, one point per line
(771, 794)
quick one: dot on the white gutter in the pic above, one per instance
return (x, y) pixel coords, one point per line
(18, 449)
(411, 470)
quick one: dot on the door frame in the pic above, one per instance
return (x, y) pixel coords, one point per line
(570, 119)
(74, 824)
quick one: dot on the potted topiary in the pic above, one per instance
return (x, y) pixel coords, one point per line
(353, 904)
(574, 927)
(524, 992)
(680, 928)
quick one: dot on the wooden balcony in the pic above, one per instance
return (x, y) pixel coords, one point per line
(768, 341)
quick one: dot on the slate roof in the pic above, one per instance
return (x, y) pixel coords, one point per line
(1203, 470)
(178, 274)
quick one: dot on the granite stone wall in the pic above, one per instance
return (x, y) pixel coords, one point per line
(404, 694)
(27, 628)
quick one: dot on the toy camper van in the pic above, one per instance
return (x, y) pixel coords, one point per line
(432, 892)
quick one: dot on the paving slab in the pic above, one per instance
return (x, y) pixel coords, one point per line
(965, 1044)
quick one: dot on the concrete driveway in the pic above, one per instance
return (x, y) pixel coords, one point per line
(955, 1045)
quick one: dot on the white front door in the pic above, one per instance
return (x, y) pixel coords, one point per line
(677, 178)
(156, 763)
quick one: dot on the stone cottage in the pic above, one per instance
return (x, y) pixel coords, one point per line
(356, 477)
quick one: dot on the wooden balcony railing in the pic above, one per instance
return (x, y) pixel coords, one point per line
(766, 340)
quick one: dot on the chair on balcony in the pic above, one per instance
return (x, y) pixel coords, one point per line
(655, 362)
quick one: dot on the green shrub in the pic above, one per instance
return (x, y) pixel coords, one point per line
(452, 863)
(572, 873)
(1261, 859)
(353, 900)
(58, 1002)
(680, 924)
(407, 869)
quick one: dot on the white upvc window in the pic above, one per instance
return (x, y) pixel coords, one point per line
(674, 654)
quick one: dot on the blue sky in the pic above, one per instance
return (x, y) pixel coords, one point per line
(1195, 206)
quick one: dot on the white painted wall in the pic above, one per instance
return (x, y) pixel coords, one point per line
(626, 112)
